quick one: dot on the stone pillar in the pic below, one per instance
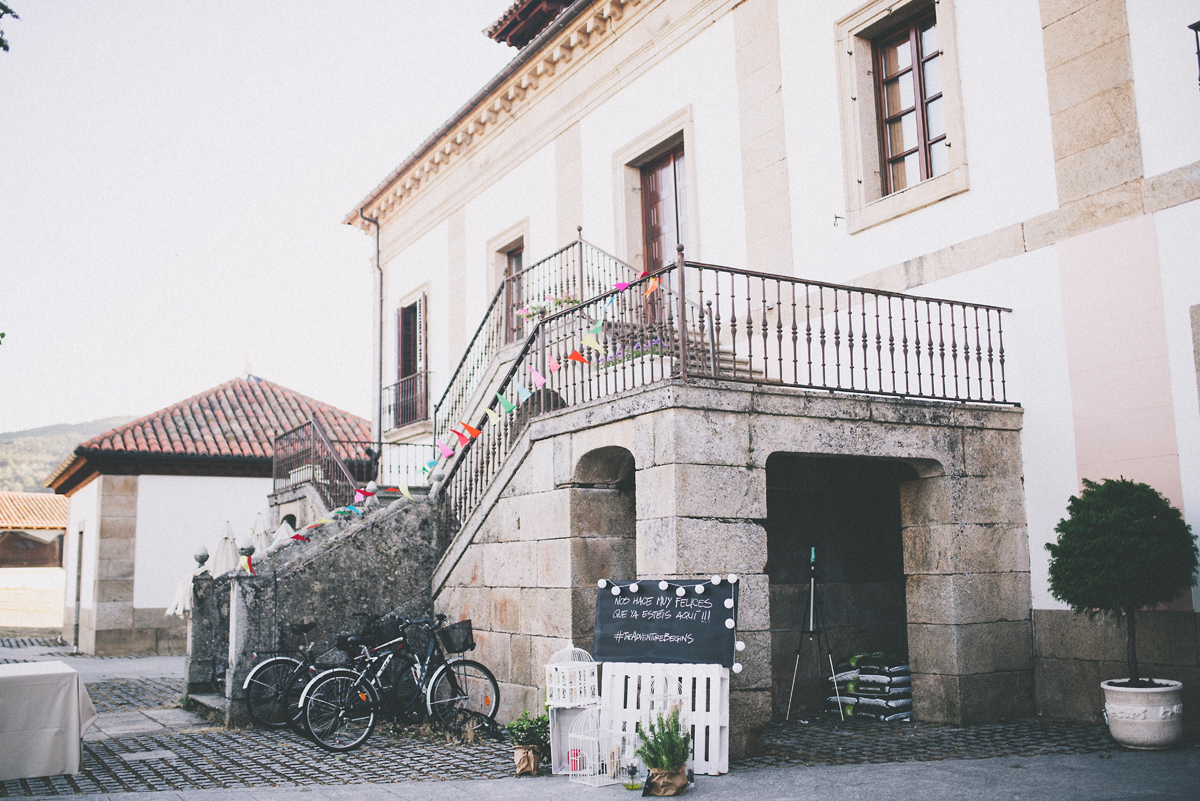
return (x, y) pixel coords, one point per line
(966, 558)
(695, 521)
(249, 599)
(111, 630)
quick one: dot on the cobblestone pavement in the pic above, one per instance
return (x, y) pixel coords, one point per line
(27, 642)
(123, 695)
(255, 758)
(830, 741)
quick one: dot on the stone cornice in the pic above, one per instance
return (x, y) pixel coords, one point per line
(538, 72)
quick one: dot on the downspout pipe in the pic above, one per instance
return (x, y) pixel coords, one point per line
(379, 352)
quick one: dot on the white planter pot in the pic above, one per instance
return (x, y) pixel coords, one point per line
(1148, 718)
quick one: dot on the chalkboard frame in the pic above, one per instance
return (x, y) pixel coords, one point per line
(656, 641)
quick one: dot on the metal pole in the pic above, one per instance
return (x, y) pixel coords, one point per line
(681, 324)
(812, 597)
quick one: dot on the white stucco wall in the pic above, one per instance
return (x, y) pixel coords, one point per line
(1007, 129)
(1036, 373)
(1165, 82)
(700, 74)
(82, 514)
(178, 514)
(1178, 234)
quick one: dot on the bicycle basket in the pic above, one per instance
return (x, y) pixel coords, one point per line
(457, 637)
(386, 629)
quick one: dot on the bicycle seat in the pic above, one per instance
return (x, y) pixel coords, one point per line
(301, 628)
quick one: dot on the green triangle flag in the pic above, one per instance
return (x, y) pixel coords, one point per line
(504, 404)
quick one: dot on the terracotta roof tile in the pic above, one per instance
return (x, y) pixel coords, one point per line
(238, 418)
(33, 510)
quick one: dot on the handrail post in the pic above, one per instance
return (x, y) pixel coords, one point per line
(681, 325)
(579, 250)
(541, 360)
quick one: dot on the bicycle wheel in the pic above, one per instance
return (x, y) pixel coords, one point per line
(273, 690)
(462, 684)
(340, 710)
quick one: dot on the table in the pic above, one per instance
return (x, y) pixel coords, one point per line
(44, 710)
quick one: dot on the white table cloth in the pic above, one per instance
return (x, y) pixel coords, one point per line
(44, 710)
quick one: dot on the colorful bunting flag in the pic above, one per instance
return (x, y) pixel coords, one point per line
(524, 393)
(504, 403)
(597, 328)
(361, 494)
(446, 452)
(247, 564)
(474, 432)
(621, 286)
(493, 418)
(538, 380)
(404, 491)
(651, 285)
(462, 438)
(554, 365)
(609, 302)
(431, 463)
(299, 536)
(355, 510)
(576, 356)
(590, 342)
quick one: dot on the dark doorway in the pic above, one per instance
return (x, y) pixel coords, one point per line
(848, 509)
(664, 208)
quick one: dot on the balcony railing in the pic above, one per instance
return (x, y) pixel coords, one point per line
(406, 401)
(703, 321)
(399, 463)
(305, 455)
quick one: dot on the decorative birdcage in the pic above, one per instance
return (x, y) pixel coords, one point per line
(596, 755)
(663, 691)
(571, 679)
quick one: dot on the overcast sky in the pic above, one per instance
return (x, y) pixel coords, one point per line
(173, 176)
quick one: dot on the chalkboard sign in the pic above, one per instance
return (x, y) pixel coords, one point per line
(660, 625)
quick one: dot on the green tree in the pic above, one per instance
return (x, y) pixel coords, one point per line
(5, 11)
(1122, 548)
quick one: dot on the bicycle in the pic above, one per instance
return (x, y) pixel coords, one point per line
(274, 685)
(342, 705)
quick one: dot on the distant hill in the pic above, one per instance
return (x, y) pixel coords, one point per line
(27, 457)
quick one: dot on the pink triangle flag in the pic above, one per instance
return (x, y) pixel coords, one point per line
(621, 286)
(462, 438)
(446, 452)
(554, 365)
(538, 380)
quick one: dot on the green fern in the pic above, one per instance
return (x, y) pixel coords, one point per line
(668, 744)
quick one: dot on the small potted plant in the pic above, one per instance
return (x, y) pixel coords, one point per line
(1124, 548)
(664, 751)
(531, 739)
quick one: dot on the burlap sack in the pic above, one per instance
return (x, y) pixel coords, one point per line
(528, 759)
(667, 782)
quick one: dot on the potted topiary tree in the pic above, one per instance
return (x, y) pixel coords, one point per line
(530, 739)
(665, 750)
(1122, 548)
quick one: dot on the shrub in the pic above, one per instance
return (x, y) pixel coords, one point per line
(1122, 548)
(667, 745)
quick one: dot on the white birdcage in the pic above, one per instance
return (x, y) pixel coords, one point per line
(571, 679)
(663, 691)
(596, 755)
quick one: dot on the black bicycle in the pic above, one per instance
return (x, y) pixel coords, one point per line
(274, 685)
(389, 678)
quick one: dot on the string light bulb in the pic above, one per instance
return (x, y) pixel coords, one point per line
(633, 587)
(662, 585)
(729, 623)
(616, 590)
(731, 578)
(728, 603)
(716, 580)
(739, 646)
(699, 589)
(601, 583)
(737, 667)
(680, 591)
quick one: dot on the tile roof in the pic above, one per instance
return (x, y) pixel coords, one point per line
(32, 510)
(524, 20)
(238, 419)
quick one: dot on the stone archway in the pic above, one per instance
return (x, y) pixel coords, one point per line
(603, 504)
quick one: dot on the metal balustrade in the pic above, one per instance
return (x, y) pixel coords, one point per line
(406, 401)
(695, 320)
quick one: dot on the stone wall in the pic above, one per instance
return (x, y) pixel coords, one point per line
(376, 564)
(1074, 653)
(559, 516)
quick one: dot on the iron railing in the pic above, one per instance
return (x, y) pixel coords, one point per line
(704, 321)
(406, 401)
(399, 462)
(305, 454)
(579, 270)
